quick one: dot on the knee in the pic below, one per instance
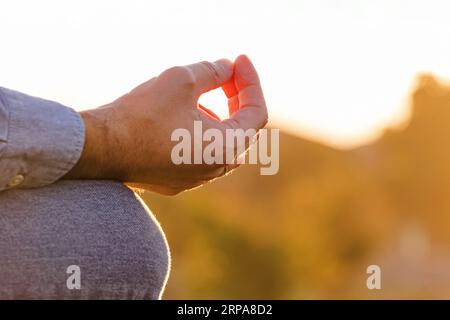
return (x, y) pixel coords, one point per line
(153, 265)
(102, 227)
(147, 258)
(137, 263)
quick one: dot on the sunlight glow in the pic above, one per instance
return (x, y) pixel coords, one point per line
(334, 71)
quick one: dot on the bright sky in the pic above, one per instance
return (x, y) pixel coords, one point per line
(335, 71)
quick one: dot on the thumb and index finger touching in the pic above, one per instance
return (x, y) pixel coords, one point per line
(240, 82)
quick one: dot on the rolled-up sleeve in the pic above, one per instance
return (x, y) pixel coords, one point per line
(40, 140)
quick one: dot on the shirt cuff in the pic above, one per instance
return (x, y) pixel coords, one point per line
(40, 140)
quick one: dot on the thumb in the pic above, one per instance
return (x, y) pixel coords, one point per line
(211, 75)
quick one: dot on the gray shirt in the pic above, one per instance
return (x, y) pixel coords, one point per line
(40, 140)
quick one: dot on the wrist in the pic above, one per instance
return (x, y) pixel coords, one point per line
(97, 160)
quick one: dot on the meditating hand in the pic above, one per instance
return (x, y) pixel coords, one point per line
(130, 139)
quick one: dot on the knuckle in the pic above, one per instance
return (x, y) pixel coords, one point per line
(211, 69)
(231, 123)
(182, 75)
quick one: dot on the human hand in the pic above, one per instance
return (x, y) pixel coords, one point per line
(130, 139)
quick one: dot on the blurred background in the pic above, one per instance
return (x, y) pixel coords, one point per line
(359, 89)
(311, 230)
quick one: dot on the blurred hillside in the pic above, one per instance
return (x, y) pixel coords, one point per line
(311, 230)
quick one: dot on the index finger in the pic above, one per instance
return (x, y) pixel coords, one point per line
(252, 112)
(210, 75)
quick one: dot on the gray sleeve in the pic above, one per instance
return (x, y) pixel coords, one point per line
(40, 140)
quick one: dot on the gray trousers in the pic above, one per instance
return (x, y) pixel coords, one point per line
(80, 240)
